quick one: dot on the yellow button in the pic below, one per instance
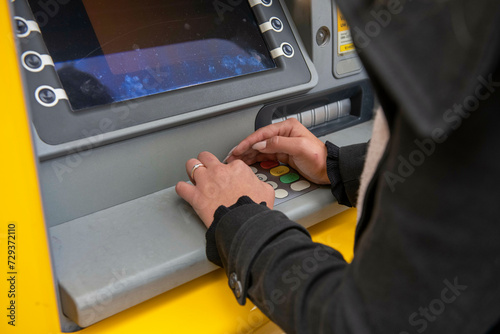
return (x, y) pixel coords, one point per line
(280, 170)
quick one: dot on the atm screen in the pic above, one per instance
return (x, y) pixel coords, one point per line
(111, 51)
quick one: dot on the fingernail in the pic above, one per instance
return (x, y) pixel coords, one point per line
(260, 145)
(229, 154)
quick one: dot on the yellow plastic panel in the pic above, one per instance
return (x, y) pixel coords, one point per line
(33, 288)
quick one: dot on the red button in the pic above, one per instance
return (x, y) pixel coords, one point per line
(269, 164)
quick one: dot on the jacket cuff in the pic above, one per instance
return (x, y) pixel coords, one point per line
(333, 172)
(211, 247)
(241, 235)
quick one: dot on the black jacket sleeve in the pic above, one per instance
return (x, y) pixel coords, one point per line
(344, 167)
(299, 284)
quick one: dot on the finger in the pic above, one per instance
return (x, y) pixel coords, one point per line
(228, 155)
(254, 157)
(293, 146)
(284, 158)
(290, 127)
(208, 159)
(190, 164)
(192, 173)
(247, 159)
(266, 157)
(186, 191)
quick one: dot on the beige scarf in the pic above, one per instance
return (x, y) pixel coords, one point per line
(376, 148)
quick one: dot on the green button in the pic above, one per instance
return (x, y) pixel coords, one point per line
(289, 178)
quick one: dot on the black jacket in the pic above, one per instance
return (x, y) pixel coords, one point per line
(427, 256)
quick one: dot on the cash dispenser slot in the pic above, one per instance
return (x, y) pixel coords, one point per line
(320, 115)
(323, 113)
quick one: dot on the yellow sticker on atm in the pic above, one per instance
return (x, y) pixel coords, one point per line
(342, 23)
(347, 48)
(344, 40)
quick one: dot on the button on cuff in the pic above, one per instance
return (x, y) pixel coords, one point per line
(233, 279)
(238, 290)
(235, 285)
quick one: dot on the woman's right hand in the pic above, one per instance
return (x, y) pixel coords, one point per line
(288, 142)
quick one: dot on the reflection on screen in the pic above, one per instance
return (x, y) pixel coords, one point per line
(110, 51)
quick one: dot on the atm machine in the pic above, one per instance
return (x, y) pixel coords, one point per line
(120, 94)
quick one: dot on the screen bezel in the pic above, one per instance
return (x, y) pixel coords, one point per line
(59, 124)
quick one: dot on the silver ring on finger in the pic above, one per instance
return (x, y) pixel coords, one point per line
(195, 167)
